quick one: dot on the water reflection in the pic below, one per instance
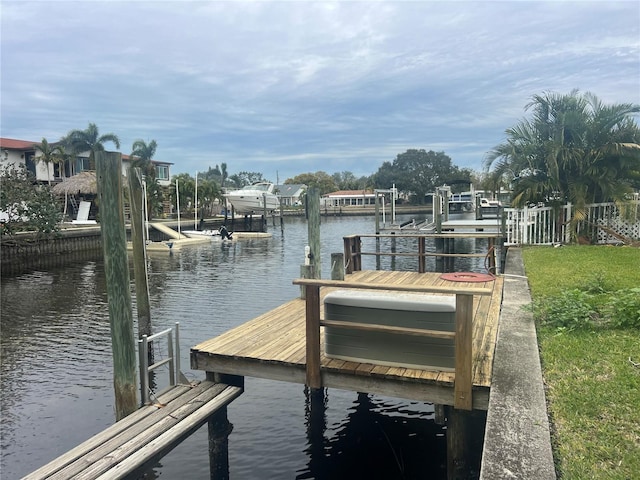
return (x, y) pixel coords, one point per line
(378, 438)
(57, 371)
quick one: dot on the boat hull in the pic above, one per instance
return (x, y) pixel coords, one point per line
(253, 202)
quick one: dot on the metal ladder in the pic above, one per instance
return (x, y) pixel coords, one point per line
(173, 359)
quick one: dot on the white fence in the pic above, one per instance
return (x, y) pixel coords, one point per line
(605, 223)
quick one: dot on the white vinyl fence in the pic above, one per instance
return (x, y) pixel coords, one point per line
(605, 223)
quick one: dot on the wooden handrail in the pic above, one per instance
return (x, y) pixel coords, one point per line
(452, 290)
(445, 234)
(424, 254)
(353, 249)
(374, 327)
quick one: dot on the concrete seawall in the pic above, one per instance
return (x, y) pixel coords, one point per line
(517, 439)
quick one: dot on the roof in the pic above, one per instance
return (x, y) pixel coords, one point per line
(289, 189)
(16, 144)
(351, 193)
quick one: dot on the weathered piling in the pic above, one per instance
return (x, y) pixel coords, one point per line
(337, 266)
(219, 428)
(139, 258)
(116, 266)
(313, 228)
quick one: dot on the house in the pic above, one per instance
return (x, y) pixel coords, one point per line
(291, 194)
(23, 152)
(347, 198)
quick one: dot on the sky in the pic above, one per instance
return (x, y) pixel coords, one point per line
(291, 87)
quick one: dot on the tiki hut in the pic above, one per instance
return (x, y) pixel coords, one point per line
(84, 184)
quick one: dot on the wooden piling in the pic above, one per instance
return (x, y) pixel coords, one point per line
(218, 429)
(116, 266)
(312, 331)
(313, 227)
(457, 444)
(306, 271)
(139, 260)
(337, 266)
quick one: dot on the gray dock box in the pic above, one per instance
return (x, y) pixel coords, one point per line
(429, 312)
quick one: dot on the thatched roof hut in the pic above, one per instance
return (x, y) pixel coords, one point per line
(82, 183)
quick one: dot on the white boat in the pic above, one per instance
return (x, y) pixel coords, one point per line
(253, 198)
(221, 233)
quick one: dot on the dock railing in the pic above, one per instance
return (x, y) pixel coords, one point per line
(353, 252)
(463, 383)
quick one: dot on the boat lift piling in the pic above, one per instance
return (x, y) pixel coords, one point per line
(138, 213)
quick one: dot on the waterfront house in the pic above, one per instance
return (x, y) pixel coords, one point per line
(346, 198)
(23, 152)
(291, 194)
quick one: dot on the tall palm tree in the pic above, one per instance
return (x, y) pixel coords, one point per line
(223, 173)
(49, 154)
(141, 157)
(89, 140)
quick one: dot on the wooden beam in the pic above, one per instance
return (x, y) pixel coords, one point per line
(313, 336)
(139, 260)
(464, 352)
(370, 327)
(453, 289)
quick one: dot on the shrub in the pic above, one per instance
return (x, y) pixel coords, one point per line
(624, 308)
(570, 310)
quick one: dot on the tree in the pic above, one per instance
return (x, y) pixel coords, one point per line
(27, 205)
(141, 157)
(186, 190)
(244, 178)
(419, 172)
(320, 180)
(348, 181)
(218, 174)
(573, 149)
(208, 193)
(49, 154)
(89, 140)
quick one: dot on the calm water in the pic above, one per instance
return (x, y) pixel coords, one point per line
(57, 371)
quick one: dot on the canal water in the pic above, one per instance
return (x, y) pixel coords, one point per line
(56, 383)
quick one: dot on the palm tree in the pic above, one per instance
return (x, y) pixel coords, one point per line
(49, 154)
(141, 156)
(89, 140)
(574, 149)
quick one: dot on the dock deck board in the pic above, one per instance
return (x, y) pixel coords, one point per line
(141, 437)
(272, 346)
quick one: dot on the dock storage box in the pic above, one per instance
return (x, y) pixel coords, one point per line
(422, 311)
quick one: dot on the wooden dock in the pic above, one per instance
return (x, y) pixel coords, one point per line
(142, 437)
(274, 345)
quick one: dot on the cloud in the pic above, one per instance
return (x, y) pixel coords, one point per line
(305, 86)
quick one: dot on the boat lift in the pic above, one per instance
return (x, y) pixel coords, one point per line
(394, 196)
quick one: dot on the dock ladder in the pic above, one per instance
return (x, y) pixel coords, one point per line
(172, 359)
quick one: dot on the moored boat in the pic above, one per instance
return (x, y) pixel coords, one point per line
(215, 234)
(254, 198)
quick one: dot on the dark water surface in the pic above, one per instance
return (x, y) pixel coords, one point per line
(57, 369)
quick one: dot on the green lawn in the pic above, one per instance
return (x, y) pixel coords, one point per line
(593, 388)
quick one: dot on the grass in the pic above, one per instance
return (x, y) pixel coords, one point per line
(593, 389)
